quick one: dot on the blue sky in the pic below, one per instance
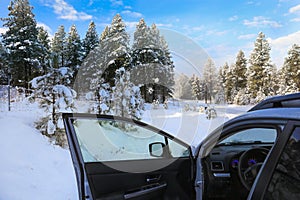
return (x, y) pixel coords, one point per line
(220, 27)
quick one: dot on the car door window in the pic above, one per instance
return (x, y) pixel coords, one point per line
(285, 182)
(118, 140)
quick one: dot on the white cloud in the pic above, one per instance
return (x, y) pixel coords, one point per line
(261, 21)
(233, 18)
(131, 25)
(295, 9)
(216, 33)
(67, 11)
(117, 2)
(295, 20)
(280, 46)
(247, 36)
(132, 14)
(164, 25)
(47, 28)
(2, 30)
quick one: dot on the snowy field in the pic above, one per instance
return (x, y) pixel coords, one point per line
(32, 168)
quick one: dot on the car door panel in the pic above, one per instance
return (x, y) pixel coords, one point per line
(107, 182)
(124, 176)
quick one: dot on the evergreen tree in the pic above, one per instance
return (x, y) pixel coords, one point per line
(92, 80)
(290, 72)
(21, 42)
(91, 39)
(197, 87)
(209, 76)
(126, 97)
(260, 68)
(153, 67)
(58, 48)
(183, 88)
(115, 45)
(3, 65)
(239, 71)
(73, 50)
(54, 96)
(44, 53)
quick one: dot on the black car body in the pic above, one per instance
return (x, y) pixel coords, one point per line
(253, 156)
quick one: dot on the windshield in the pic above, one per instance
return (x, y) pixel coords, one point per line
(254, 135)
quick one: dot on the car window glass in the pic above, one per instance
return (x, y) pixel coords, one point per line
(117, 140)
(285, 182)
(263, 135)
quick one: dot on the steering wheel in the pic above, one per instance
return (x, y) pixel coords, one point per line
(248, 171)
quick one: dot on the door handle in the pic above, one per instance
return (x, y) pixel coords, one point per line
(151, 179)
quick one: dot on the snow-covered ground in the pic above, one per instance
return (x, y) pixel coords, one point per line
(32, 168)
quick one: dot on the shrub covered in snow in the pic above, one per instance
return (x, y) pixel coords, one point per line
(54, 95)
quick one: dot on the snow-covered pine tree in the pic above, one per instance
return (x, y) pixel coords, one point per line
(92, 81)
(91, 40)
(290, 71)
(210, 78)
(260, 67)
(221, 79)
(168, 64)
(44, 53)
(126, 97)
(183, 89)
(197, 87)
(152, 64)
(115, 46)
(58, 48)
(91, 58)
(21, 42)
(228, 82)
(54, 95)
(73, 50)
(239, 70)
(3, 65)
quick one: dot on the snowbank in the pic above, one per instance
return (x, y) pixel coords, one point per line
(31, 167)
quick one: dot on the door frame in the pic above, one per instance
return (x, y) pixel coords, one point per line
(261, 183)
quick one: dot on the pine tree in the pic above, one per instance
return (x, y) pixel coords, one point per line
(197, 87)
(58, 48)
(21, 42)
(152, 64)
(209, 76)
(91, 39)
(73, 50)
(115, 46)
(54, 96)
(91, 80)
(290, 72)
(183, 88)
(91, 54)
(3, 65)
(239, 71)
(126, 97)
(260, 67)
(44, 53)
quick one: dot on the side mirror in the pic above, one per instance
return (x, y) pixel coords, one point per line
(158, 149)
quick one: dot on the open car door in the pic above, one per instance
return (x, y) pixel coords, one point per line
(118, 158)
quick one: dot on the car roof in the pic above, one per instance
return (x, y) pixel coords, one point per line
(285, 101)
(289, 113)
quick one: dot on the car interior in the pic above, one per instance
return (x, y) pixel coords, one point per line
(230, 168)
